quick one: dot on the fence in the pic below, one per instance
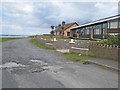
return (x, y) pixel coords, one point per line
(104, 51)
(98, 50)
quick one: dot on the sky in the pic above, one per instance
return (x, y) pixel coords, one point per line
(35, 17)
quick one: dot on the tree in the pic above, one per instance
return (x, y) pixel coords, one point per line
(52, 27)
(52, 32)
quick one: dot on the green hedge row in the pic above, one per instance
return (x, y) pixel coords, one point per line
(111, 40)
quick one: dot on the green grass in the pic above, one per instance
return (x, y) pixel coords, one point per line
(40, 45)
(76, 57)
(71, 55)
(7, 39)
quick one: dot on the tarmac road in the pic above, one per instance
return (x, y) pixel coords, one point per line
(39, 68)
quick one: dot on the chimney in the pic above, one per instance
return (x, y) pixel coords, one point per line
(63, 23)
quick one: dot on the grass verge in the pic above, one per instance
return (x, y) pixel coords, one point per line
(77, 57)
(71, 55)
(7, 39)
(40, 45)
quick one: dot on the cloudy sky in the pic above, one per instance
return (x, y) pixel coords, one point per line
(29, 18)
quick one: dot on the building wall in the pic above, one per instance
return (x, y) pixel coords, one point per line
(113, 31)
(69, 30)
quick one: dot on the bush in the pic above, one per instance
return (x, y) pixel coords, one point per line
(111, 40)
(119, 40)
(52, 32)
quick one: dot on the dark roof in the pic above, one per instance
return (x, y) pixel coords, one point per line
(98, 21)
(59, 28)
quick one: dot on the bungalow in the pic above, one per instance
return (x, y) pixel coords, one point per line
(64, 29)
(98, 29)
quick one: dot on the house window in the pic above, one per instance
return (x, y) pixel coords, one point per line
(98, 29)
(113, 24)
(119, 23)
(82, 32)
(105, 25)
(68, 33)
(104, 28)
(108, 24)
(74, 33)
(87, 30)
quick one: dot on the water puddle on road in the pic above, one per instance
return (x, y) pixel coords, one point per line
(11, 65)
(17, 68)
(39, 62)
(33, 66)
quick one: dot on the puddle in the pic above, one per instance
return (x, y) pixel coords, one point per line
(39, 62)
(11, 65)
(19, 71)
(34, 66)
(38, 66)
(27, 70)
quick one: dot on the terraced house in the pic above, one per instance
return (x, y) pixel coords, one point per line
(64, 29)
(98, 29)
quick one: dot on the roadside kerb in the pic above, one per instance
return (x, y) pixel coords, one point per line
(103, 65)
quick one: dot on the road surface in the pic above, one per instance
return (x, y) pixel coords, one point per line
(27, 66)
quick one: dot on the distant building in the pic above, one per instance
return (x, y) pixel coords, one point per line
(98, 29)
(64, 29)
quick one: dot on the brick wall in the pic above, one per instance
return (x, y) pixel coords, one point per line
(98, 50)
(104, 51)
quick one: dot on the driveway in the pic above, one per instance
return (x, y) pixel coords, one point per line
(27, 66)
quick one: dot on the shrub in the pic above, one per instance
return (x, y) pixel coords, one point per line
(111, 40)
(52, 32)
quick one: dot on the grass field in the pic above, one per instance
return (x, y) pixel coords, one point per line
(77, 56)
(7, 39)
(40, 45)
